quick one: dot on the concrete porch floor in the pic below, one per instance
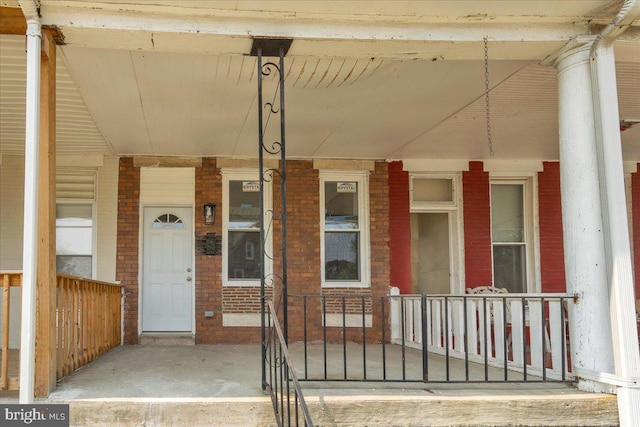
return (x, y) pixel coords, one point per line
(219, 385)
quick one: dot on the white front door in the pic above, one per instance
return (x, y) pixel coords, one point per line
(167, 285)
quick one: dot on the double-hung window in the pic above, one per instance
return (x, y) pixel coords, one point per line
(74, 239)
(510, 235)
(75, 223)
(344, 229)
(241, 224)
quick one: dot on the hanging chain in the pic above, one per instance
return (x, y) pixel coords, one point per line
(486, 93)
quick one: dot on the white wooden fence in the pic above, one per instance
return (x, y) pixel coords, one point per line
(525, 333)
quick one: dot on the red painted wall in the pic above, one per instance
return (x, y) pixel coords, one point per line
(550, 222)
(399, 228)
(635, 207)
(477, 226)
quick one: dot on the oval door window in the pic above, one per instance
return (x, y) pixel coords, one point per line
(167, 221)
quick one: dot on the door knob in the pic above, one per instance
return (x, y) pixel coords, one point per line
(189, 270)
(189, 279)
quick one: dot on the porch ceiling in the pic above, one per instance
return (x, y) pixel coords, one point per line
(173, 78)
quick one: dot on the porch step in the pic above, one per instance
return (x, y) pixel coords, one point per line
(331, 408)
(166, 339)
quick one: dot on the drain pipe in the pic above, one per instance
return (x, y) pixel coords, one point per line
(30, 237)
(615, 220)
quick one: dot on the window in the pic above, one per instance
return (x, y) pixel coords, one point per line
(74, 239)
(432, 191)
(241, 224)
(344, 223)
(167, 221)
(509, 235)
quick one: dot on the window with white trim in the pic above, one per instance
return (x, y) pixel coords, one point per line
(74, 239)
(241, 227)
(344, 229)
(510, 235)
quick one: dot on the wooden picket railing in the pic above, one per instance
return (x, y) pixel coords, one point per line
(88, 323)
(9, 378)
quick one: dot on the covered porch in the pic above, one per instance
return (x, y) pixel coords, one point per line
(220, 385)
(152, 109)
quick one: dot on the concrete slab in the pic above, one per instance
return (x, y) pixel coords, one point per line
(219, 385)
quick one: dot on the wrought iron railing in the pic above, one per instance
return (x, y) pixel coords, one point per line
(282, 382)
(431, 338)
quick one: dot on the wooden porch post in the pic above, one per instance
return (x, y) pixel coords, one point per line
(45, 367)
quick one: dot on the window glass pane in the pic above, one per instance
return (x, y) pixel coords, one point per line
(341, 254)
(73, 211)
(74, 235)
(167, 221)
(74, 265)
(244, 205)
(243, 263)
(432, 190)
(507, 213)
(509, 268)
(341, 205)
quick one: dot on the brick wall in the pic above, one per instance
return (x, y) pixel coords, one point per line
(241, 299)
(477, 226)
(303, 249)
(399, 228)
(635, 207)
(303, 246)
(550, 222)
(127, 244)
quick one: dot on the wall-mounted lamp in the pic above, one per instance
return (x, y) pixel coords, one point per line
(209, 214)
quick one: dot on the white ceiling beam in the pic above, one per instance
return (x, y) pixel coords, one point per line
(310, 29)
(408, 38)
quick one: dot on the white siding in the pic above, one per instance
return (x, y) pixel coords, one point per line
(172, 186)
(11, 209)
(11, 224)
(11, 221)
(107, 219)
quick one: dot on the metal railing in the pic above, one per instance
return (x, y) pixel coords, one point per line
(432, 338)
(282, 383)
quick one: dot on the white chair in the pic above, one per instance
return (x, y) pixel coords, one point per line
(491, 290)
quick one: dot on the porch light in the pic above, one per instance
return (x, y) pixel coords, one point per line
(209, 214)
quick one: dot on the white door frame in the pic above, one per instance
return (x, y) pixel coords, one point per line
(454, 211)
(142, 207)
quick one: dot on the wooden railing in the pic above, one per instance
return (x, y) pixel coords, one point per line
(525, 333)
(88, 323)
(9, 378)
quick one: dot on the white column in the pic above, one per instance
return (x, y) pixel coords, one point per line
(29, 253)
(617, 246)
(585, 264)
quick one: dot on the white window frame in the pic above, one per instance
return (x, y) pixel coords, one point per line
(240, 174)
(94, 229)
(453, 209)
(362, 178)
(531, 232)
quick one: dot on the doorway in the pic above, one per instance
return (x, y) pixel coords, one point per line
(430, 253)
(167, 280)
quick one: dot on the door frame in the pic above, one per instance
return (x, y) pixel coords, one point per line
(141, 230)
(454, 213)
